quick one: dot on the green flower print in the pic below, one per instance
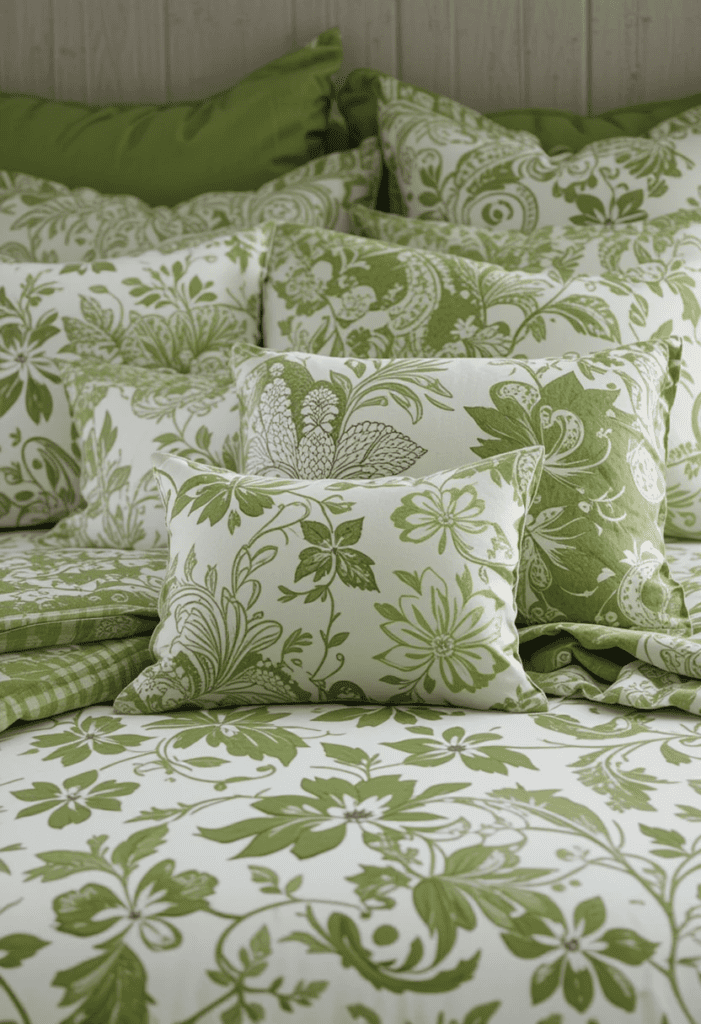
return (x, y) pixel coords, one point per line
(72, 802)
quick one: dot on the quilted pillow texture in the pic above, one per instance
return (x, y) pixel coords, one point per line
(593, 548)
(451, 163)
(45, 221)
(267, 124)
(123, 414)
(280, 591)
(182, 311)
(345, 295)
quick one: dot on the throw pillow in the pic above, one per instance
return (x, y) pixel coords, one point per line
(268, 123)
(593, 547)
(44, 221)
(181, 311)
(282, 591)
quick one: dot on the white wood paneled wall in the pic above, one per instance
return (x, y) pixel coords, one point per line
(580, 55)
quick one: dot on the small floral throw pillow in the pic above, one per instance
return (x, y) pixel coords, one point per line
(593, 548)
(44, 221)
(182, 311)
(283, 591)
(350, 296)
(451, 163)
(123, 414)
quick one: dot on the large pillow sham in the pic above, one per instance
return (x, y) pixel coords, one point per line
(558, 131)
(268, 123)
(53, 598)
(281, 591)
(45, 221)
(345, 295)
(593, 548)
(451, 163)
(182, 311)
(123, 414)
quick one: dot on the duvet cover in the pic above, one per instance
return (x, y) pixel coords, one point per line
(332, 864)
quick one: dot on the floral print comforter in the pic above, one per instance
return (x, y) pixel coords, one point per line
(365, 864)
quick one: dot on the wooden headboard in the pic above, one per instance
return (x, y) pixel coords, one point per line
(581, 55)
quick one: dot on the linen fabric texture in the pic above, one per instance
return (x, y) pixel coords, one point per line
(166, 153)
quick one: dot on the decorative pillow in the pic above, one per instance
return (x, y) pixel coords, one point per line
(451, 163)
(268, 123)
(344, 295)
(282, 591)
(45, 221)
(182, 311)
(593, 547)
(123, 414)
(50, 598)
(558, 131)
(666, 248)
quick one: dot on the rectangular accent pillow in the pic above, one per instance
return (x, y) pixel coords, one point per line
(284, 591)
(593, 548)
(182, 311)
(53, 598)
(122, 415)
(452, 163)
(344, 295)
(44, 221)
(267, 124)
(52, 680)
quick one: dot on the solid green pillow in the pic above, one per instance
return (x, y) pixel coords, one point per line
(270, 122)
(559, 131)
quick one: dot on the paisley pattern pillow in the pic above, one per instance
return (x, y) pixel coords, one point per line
(454, 164)
(593, 548)
(45, 221)
(123, 414)
(182, 311)
(345, 295)
(666, 248)
(282, 591)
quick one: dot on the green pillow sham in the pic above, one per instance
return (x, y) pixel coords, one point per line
(593, 548)
(267, 124)
(53, 598)
(284, 591)
(181, 311)
(43, 221)
(350, 296)
(558, 131)
(452, 163)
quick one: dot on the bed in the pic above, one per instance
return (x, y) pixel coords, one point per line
(350, 558)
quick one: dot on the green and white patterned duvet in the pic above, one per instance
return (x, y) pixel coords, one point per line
(332, 864)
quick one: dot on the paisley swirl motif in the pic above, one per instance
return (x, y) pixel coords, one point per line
(630, 595)
(647, 474)
(421, 296)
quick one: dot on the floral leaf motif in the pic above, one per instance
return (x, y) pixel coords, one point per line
(18, 947)
(371, 449)
(111, 986)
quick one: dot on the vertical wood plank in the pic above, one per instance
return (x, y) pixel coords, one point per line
(214, 43)
(26, 47)
(71, 76)
(427, 45)
(126, 46)
(368, 30)
(556, 54)
(644, 50)
(489, 61)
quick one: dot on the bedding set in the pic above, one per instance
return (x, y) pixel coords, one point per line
(350, 560)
